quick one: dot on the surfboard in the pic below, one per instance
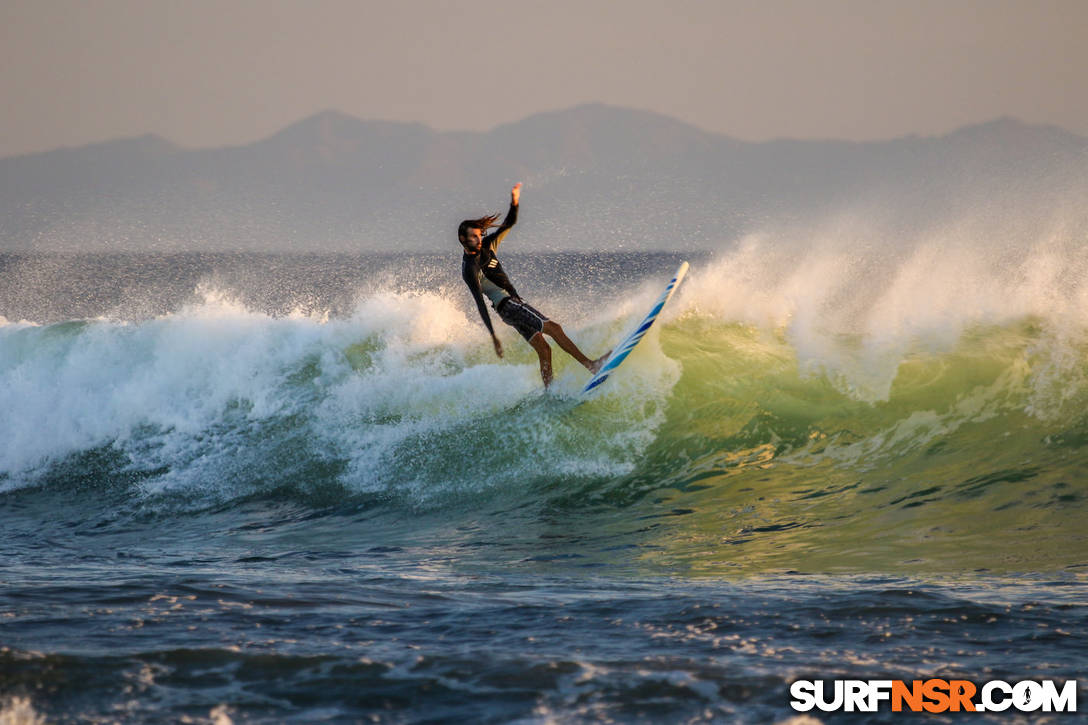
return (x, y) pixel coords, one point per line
(621, 351)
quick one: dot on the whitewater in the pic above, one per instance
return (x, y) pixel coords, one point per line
(269, 488)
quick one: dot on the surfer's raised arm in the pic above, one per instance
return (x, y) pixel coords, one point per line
(511, 219)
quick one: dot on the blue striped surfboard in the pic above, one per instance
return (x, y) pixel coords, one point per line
(624, 348)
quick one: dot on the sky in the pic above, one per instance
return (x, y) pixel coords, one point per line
(228, 72)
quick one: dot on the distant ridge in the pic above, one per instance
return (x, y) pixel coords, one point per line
(596, 176)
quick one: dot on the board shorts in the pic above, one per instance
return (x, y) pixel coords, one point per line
(522, 316)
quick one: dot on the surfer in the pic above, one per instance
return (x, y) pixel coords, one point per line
(485, 277)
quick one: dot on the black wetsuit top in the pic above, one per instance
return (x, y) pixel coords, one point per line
(483, 269)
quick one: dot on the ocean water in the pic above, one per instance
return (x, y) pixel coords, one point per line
(257, 488)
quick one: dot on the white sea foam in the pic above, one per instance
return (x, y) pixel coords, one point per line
(200, 400)
(19, 711)
(854, 297)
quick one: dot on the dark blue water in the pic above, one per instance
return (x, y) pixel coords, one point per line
(231, 491)
(283, 612)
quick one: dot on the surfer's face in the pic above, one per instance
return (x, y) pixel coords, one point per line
(472, 239)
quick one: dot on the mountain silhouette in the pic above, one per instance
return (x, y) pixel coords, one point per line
(596, 177)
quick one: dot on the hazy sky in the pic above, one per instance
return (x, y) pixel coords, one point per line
(212, 73)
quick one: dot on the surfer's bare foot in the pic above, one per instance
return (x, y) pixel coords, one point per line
(596, 365)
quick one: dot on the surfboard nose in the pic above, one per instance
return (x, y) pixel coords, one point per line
(621, 351)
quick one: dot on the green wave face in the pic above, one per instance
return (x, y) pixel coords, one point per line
(977, 458)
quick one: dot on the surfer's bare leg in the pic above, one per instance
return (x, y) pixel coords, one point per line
(555, 331)
(544, 352)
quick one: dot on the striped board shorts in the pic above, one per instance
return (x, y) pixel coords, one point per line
(522, 316)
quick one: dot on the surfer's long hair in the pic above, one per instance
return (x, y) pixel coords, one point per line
(483, 224)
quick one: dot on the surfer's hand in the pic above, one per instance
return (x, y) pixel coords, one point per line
(515, 194)
(498, 346)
